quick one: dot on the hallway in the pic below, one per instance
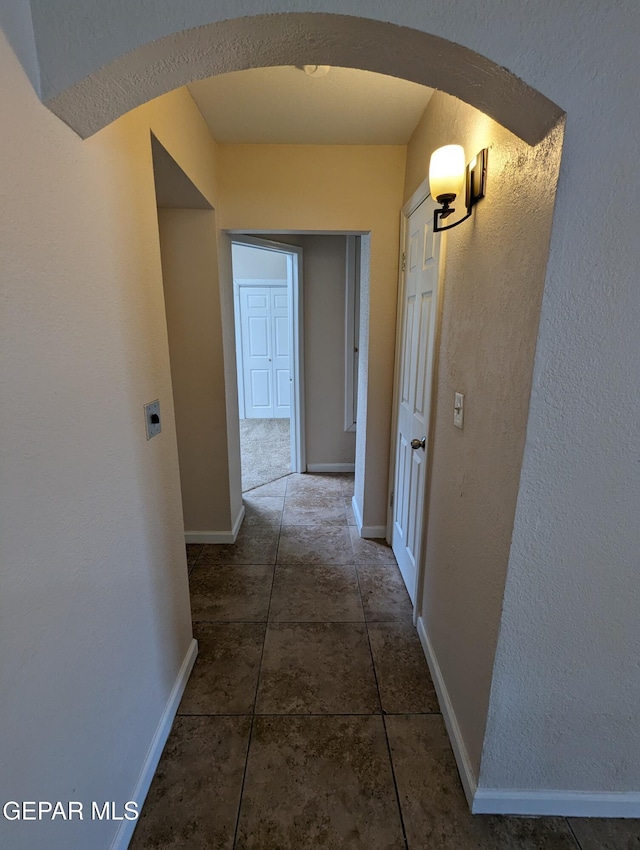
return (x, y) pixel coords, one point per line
(310, 719)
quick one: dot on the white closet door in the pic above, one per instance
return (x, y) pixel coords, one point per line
(264, 322)
(416, 372)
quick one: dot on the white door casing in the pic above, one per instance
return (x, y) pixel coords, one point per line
(418, 311)
(281, 353)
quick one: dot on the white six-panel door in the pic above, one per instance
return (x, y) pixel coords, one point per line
(415, 380)
(264, 328)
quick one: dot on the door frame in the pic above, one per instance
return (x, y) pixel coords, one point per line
(352, 332)
(296, 337)
(418, 197)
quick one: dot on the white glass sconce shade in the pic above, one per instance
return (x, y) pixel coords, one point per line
(447, 171)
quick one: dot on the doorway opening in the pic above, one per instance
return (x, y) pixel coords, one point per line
(267, 293)
(325, 328)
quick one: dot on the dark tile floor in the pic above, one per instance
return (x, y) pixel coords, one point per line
(310, 719)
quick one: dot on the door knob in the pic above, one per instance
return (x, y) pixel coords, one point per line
(419, 444)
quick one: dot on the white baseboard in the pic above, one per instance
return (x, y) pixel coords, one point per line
(331, 467)
(238, 522)
(465, 770)
(373, 531)
(357, 514)
(368, 531)
(580, 804)
(216, 536)
(124, 833)
(494, 801)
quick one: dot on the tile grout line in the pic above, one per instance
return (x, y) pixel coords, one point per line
(191, 568)
(575, 837)
(266, 624)
(255, 698)
(384, 725)
(320, 714)
(395, 782)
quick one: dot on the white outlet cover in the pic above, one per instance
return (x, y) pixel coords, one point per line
(152, 410)
(458, 410)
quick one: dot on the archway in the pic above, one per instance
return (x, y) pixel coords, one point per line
(153, 69)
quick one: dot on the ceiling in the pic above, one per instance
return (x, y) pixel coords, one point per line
(282, 105)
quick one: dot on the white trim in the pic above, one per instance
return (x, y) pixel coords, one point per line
(374, 532)
(248, 233)
(357, 514)
(296, 341)
(243, 238)
(495, 801)
(239, 359)
(370, 532)
(396, 374)
(421, 194)
(258, 281)
(331, 467)
(351, 327)
(123, 835)
(216, 536)
(463, 761)
(577, 804)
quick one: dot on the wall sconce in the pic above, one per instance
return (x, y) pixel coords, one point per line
(448, 176)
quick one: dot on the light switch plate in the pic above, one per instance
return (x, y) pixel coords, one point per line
(152, 418)
(458, 410)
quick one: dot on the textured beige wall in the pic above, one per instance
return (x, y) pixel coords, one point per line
(95, 619)
(339, 188)
(196, 153)
(324, 329)
(493, 283)
(192, 299)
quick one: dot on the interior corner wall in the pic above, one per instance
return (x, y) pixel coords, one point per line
(194, 325)
(494, 278)
(95, 622)
(358, 189)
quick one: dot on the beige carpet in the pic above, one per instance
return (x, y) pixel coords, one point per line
(265, 449)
